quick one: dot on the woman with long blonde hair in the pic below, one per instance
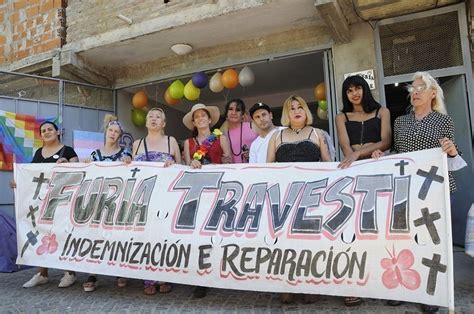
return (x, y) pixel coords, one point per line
(426, 126)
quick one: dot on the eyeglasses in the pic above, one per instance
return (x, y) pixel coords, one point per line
(420, 88)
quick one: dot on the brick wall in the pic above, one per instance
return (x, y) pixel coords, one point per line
(30, 27)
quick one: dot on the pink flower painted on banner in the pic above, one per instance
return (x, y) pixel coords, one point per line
(398, 272)
(49, 245)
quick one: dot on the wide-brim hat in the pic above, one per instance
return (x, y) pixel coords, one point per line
(213, 112)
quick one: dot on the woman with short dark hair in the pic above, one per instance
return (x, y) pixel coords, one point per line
(52, 151)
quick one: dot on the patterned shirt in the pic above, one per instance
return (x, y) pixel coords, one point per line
(154, 156)
(410, 134)
(98, 156)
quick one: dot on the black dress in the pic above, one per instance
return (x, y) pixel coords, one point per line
(65, 152)
(300, 151)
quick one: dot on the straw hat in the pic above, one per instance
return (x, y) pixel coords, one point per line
(213, 112)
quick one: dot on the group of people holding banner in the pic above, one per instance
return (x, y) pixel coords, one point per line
(363, 130)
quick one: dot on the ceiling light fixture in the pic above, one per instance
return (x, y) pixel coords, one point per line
(127, 20)
(181, 49)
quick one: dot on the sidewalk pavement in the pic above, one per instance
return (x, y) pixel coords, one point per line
(110, 299)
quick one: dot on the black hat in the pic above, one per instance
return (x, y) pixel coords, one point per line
(259, 105)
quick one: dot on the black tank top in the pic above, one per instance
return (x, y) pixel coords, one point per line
(362, 132)
(300, 151)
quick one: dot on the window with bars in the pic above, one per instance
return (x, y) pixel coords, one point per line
(422, 44)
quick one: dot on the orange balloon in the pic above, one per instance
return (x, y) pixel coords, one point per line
(320, 91)
(230, 79)
(139, 100)
(170, 100)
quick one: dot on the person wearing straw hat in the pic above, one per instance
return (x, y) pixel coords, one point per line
(205, 147)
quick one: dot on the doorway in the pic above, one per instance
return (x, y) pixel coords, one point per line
(275, 80)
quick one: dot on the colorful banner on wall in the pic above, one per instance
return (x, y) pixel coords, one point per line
(380, 229)
(85, 142)
(19, 138)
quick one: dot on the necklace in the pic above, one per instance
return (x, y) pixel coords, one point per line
(205, 146)
(240, 144)
(297, 131)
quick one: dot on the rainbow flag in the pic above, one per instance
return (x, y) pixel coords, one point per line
(19, 138)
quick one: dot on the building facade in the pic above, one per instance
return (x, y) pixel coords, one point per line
(97, 54)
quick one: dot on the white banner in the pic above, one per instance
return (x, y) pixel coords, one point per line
(379, 229)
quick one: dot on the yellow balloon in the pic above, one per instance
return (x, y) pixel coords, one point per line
(191, 92)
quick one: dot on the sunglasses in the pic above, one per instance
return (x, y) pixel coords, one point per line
(420, 88)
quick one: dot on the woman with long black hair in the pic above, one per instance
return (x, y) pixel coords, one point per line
(238, 130)
(364, 125)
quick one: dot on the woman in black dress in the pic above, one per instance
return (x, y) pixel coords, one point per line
(299, 142)
(364, 125)
(53, 151)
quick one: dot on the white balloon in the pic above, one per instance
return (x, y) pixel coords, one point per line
(246, 76)
(215, 83)
(322, 114)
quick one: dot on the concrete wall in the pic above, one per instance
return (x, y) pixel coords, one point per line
(357, 55)
(301, 40)
(104, 14)
(30, 27)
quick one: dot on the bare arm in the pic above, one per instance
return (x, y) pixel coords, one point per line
(225, 145)
(272, 147)
(134, 148)
(323, 146)
(187, 158)
(342, 135)
(176, 152)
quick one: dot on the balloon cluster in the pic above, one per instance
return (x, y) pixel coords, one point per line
(192, 90)
(139, 102)
(230, 79)
(320, 95)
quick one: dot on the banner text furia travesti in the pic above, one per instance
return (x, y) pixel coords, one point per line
(379, 229)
